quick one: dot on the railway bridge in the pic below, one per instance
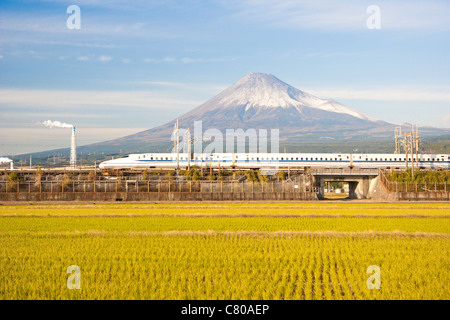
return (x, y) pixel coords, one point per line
(363, 183)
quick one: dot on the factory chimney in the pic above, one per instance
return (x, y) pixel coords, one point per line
(73, 149)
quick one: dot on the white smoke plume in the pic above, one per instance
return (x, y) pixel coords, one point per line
(56, 124)
(5, 160)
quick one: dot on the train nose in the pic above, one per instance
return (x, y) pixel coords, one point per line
(102, 165)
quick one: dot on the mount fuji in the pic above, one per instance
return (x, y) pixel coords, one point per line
(262, 101)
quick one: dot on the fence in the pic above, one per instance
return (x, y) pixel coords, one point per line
(136, 190)
(416, 191)
(395, 186)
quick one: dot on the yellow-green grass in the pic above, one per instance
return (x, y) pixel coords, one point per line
(265, 224)
(276, 209)
(225, 251)
(224, 267)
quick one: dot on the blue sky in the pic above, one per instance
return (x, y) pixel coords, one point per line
(137, 64)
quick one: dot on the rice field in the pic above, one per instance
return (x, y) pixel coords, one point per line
(226, 251)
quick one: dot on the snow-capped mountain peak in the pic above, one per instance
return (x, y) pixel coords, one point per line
(262, 90)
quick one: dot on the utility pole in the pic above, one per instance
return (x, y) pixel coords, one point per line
(177, 144)
(187, 146)
(398, 133)
(410, 142)
(406, 146)
(412, 154)
(417, 138)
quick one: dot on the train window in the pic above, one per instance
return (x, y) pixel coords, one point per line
(316, 159)
(371, 159)
(360, 157)
(151, 158)
(257, 159)
(432, 159)
(292, 158)
(320, 158)
(157, 158)
(301, 159)
(376, 159)
(296, 158)
(282, 158)
(168, 158)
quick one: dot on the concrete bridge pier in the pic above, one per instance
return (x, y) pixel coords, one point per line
(352, 185)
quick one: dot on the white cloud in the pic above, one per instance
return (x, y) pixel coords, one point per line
(446, 118)
(344, 14)
(102, 99)
(148, 60)
(83, 58)
(104, 58)
(102, 25)
(189, 60)
(381, 94)
(166, 59)
(169, 59)
(166, 83)
(126, 60)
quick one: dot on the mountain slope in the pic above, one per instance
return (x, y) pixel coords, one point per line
(262, 101)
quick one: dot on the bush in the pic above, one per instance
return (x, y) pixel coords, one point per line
(92, 175)
(251, 175)
(66, 181)
(13, 181)
(281, 175)
(195, 176)
(420, 176)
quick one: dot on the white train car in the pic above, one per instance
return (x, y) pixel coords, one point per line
(275, 160)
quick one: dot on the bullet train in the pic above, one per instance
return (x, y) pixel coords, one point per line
(275, 160)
